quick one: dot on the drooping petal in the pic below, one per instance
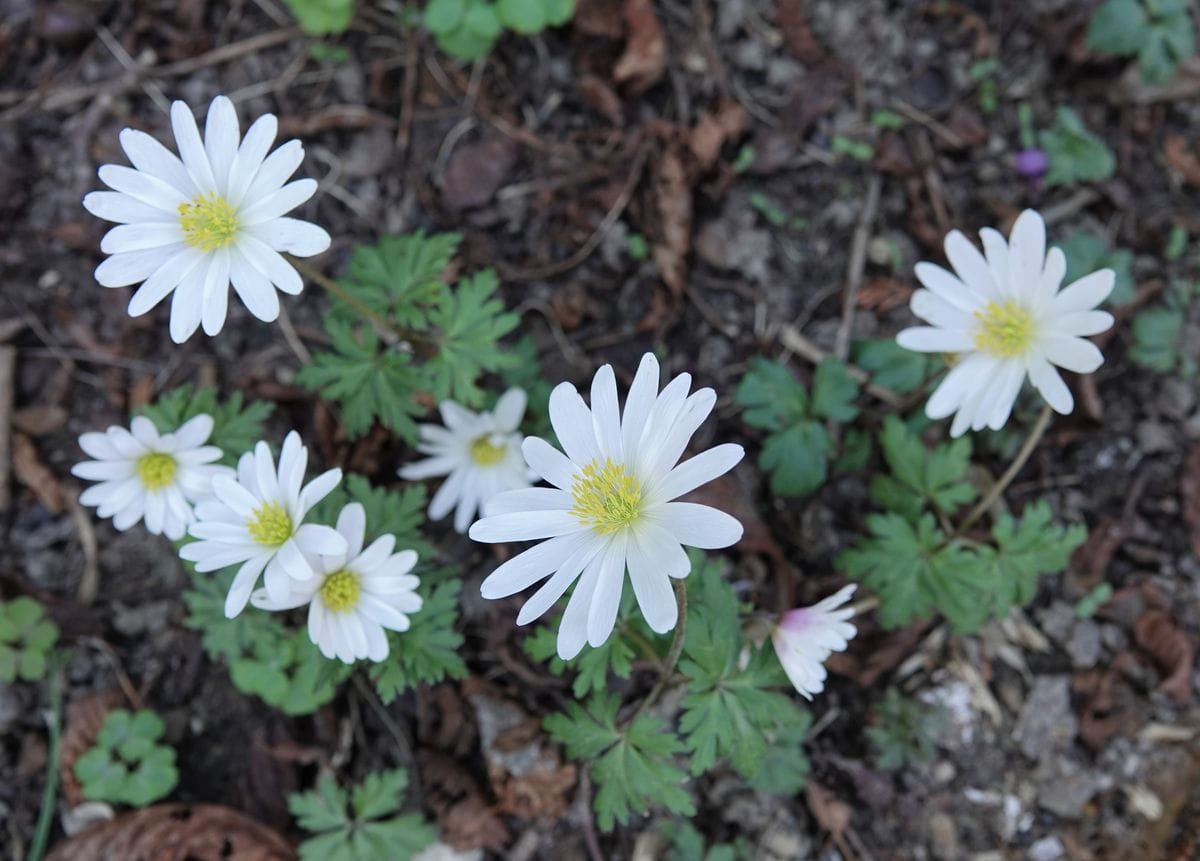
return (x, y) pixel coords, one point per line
(699, 525)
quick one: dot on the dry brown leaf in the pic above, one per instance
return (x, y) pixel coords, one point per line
(475, 171)
(831, 814)
(601, 98)
(1172, 650)
(85, 717)
(713, 129)
(176, 832)
(882, 294)
(468, 821)
(797, 35)
(645, 58)
(598, 18)
(1180, 156)
(1109, 706)
(673, 205)
(1090, 561)
(1190, 490)
(39, 419)
(35, 475)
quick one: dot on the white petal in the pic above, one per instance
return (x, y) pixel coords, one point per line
(97, 470)
(352, 526)
(649, 558)
(1051, 386)
(274, 171)
(548, 462)
(699, 525)
(253, 288)
(538, 562)
(249, 158)
(953, 389)
(934, 309)
(528, 499)
(573, 629)
(194, 432)
(606, 598)
(606, 414)
(638, 404)
(291, 235)
(1004, 393)
(524, 526)
(115, 206)
(927, 339)
(164, 279)
(553, 589)
(131, 267)
(1086, 293)
(243, 584)
(293, 461)
(510, 409)
(1074, 354)
(221, 134)
(216, 293)
(317, 539)
(572, 422)
(1051, 277)
(191, 149)
(429, 468)
(658, 454)
(971, 266)
(448, 494)
(187, 305)
(995, 249)
(151, 157)
(948, 286)
(277, 203)
(1027, 253)
(267, 261)
(142, 186)
(698, 470)
(319, 488)
(1082, 323)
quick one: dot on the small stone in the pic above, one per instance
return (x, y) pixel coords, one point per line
(1085, 644)
(1177, 398)
(1046, 849)
(1057, 620)
(943, 837)
(1154, 437)
(1065, 788)
(1047, 722)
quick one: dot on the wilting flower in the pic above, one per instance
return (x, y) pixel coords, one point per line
(806, 637)
(480, 453)
(210, 217)
(257, 520)
(1005, 318)
(147, 476)
(610, 506)
(355, 595)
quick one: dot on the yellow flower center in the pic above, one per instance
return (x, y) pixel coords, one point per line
(1005, 330)
(209, 222)
(340, 591)
(270, 525)
(485, 452)
(156, 470)
(606, 497)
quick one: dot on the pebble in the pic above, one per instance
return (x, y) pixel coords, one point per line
(1047, 723)
(1085, 644)
(1046, 849)
(943, 837)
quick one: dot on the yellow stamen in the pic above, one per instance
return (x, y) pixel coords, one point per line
(606, 497)
(156, 470)
(270, 525)
(209, 222)
(486, 452)
(1005, 330)
(340, 591)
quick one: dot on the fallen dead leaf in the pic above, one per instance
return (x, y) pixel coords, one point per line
(1091, 559)
(39, 419)
(176, 832)
(1172, 650)
(569, 305)
(797, 34)
(1190, 490)
(713, 129)
(1179, 155)
(601, 98)
(883, 294)
(85, 717)
(673, 205)
(35, 475)
(645, 58)
(831, 814)
(1109, 706)
(475, 171)
(599, 18)
(468, 821)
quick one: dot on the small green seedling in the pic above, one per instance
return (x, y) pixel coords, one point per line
(127, 765)
(26, 638)
(744, 159)
(1086, 252)
(361, 825)
(882, 119)
(1093, 601)
(983, 74)
(773, 214)
(858, 150)
(1158, 32)
(639, 249)
(905, 731)
(467, 29)
(322, 17)
(1076, 155)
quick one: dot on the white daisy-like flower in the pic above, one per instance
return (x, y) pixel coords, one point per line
(205, 219)
(147, 476)
(480, 453)
(257, 519)
(806, 637)
(1003, 315)
(610, 507)
(355, 595)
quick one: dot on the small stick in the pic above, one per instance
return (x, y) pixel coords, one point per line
(792, 340)
(858, 262)
(8, 365)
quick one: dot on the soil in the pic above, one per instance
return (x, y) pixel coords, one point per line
(550, 156)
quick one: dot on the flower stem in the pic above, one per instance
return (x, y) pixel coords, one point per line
(989, 499)
(45, 818)
(668, 667)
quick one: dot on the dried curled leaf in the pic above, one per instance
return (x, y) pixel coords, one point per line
(85, 717)
(176, 832)
(1172, 650)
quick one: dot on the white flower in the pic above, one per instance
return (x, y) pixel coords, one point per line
(355, 594)
(610, 506)
(1006, 318)
(144, 476)
(258, 520)
(480, 452)
(805, 638)
(210, 217)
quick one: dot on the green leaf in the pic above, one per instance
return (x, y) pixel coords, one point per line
(1076, 155)
(523, 16)
(237, 425)
(785, 769)
(126, 765)
(399, 838)
(400, 277)
(796, 458)
(915, 572)
(1169, 41)
(1118, 27)
(369, 380)
(32, 667)
(1156, 334)
(442, 16)
(472, 320)
(633, 770)
(1087, 252)
(321, 809)
(558, 12)
(834, 391)
(729, 710)
(1025, 552)
(390, 511)
(892, 366)
(905, 731)
(429, 650)
(318, 17)
(482, 21)
(8, 664)
(920, 477)
(153, 779)
(772, 398)
(464, 44)
(380, 794)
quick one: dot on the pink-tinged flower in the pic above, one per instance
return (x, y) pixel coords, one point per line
(806, 637)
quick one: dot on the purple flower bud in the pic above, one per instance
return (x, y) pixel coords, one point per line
(1032, 163)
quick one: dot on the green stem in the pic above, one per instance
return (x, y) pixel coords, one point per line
(989, 499)
(50, 793)
(668, 667)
